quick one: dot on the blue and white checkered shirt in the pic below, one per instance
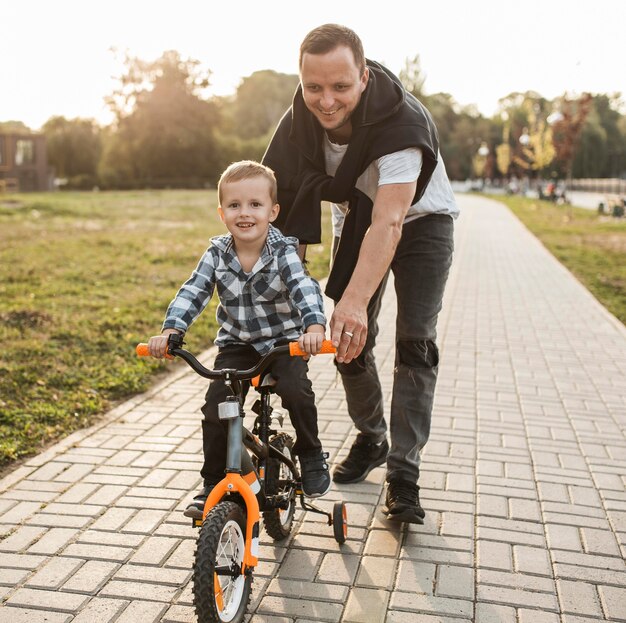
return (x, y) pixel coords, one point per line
(275, 302)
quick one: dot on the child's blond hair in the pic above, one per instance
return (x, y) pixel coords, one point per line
(245, 170)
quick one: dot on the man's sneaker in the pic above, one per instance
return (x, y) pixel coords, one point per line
(196, 507)
(403, 502)
(363, 457)
(315, 476)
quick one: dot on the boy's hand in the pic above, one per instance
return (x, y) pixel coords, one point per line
(157, 344)
(311, 341)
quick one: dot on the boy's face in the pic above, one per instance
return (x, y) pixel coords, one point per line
(246, 209)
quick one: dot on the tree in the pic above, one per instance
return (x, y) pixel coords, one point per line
(260, 102)
(165, 131)
(567, 128)
(591, 154)
(413, 77)
(74, 147)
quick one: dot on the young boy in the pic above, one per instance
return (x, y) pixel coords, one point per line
(265, 298)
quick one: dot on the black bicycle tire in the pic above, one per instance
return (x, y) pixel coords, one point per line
(340, 522)
(204, 564)
(277, 529)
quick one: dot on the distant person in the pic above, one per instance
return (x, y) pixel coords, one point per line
(266, 298)
(355, 137)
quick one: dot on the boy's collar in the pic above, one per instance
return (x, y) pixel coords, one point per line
(275, 240)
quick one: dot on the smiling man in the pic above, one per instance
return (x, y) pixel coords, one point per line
(356, 138)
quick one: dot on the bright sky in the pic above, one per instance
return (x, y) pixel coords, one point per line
(56, 58)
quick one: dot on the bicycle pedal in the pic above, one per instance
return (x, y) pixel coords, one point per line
(196, 523)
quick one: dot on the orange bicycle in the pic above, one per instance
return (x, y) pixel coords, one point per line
(267, 483)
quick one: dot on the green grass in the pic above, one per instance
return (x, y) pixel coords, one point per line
(83, 278)
(591, 246)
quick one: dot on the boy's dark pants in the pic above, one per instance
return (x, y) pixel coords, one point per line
(292, 385)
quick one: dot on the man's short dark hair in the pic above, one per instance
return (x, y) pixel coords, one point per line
(327, 37)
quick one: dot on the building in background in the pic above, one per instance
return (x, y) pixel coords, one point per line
(24, 163)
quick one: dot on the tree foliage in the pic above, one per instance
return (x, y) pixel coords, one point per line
(169, 132)
(74, 147)
(260, 101)
(165, 131)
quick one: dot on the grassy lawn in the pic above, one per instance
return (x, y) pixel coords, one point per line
(83, 278)
(591, 246)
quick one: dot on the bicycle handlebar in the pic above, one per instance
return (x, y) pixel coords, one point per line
(175, 343)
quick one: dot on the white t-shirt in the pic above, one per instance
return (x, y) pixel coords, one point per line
(401, 167)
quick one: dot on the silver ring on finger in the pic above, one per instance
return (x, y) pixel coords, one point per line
(349, 334)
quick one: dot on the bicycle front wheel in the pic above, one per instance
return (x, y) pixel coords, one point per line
(221, 592)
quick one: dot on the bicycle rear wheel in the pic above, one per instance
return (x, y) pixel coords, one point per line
(221, 592)
(279, 521)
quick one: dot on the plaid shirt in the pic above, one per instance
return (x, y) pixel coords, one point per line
(272, 303)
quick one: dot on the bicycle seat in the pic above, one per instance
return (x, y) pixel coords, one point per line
(265, 380)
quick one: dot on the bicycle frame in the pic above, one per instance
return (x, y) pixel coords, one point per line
(235, 481)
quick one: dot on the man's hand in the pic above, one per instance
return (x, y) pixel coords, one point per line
(311, 341)
(348, 329)
(157, 345)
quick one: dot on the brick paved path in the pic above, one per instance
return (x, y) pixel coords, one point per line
(523, 478)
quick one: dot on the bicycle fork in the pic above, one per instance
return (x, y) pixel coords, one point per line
(246, 486)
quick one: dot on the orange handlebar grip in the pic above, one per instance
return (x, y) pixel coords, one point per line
(142, 351)
(327, 349)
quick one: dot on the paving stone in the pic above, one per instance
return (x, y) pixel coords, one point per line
(515, 597)
(154, 551)
(300, 565)
(415, 575)
(21, 538)
(302, 609)
(564, 537)
(22, 561)
(12, 577)
(183, 555)
(144, 611)
(100, 610)
(579, 598)
(537, 616)
(377, 572)
(600, 541)
(455, 582)
(90, 577)
(54, 573)
(47, 600)
(431, 605)
(494, 555)
(338, 568)
(613, 600)
(53, 541)
(301, 589)
(158, 575)
(366, 605)
(26, 615)
(179, 614)
(516, 580)
(138, 590)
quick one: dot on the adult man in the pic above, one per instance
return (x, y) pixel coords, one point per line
(356, 138)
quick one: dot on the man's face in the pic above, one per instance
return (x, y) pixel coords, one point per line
(332, 86)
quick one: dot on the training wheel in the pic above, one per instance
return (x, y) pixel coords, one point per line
(340, 522)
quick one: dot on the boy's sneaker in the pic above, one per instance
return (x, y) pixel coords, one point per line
(403, 502)
(363, 457)
(196, 507)
(315, 476)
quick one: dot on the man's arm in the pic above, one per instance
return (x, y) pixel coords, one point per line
(377, 250)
